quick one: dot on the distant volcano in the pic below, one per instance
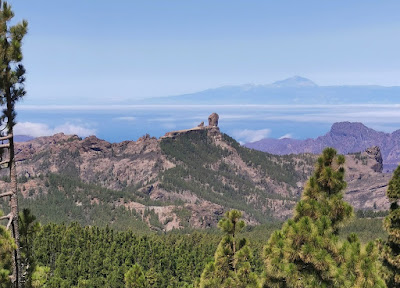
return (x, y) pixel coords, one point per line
(295, 81)
(295, 90)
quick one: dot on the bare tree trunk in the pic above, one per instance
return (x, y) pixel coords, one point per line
(17, 275)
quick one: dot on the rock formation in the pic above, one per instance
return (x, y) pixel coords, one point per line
(366, 184)
(375, 153)
(212, 128)
(213, 120)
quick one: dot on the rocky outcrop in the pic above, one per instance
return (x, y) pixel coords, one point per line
(375, 153)
(366, 184)
(213, 120)
(212, 127)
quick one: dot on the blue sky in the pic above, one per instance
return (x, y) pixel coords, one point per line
(97, 52)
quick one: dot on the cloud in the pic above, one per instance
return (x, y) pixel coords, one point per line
(126, 118)
(285, 136)
(41, 129)
(251, 135)
(69, 128)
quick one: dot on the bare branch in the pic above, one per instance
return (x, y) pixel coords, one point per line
(5, 194)
(8, 216)
(4, 162)
(9, 222)
(7, 145)
(9, 136)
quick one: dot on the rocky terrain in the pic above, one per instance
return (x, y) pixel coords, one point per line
(187, 178)
(346, 137)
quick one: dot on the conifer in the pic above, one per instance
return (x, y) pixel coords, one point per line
(11, 91)
(231, 265)
(135, 278)
(6, 247)
(391, 250)
(306, 252)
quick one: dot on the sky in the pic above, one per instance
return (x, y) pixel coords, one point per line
(111, 51)
(97, 52)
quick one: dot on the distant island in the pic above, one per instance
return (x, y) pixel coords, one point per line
(295, 90)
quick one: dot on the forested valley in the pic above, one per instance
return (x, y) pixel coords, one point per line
(323, 244)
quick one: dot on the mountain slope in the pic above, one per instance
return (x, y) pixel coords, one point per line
(346, 137)
(186, 180)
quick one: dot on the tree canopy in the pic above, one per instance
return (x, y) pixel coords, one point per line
(307, 252)
(391, 250)
(231, 266)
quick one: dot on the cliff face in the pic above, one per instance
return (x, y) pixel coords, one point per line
(186, 180)
(346, 137)
(366, 184)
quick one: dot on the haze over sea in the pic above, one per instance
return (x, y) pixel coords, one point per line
(246, 123)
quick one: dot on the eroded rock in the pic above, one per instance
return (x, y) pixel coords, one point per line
(213, 120)
(375, 153)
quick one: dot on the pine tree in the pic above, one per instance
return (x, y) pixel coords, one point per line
(391, 250)
(6, 247)
(361, 265)
(305, 252)
(11, 90)
(135, 278)
(28, 228)
(231, 265)
(40, 276)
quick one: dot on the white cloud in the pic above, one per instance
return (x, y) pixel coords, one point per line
(32, 129)
(285, 136)
(126, 118)
(41, 129)
(69, 128)
(251, 135)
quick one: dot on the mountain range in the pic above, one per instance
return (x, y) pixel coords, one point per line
(188, 178)
(292, 91)
(346, 137)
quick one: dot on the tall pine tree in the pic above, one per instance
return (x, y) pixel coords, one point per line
(11, 90)
(306, 252)
(28, 228)
(231, 265)
(391, 251)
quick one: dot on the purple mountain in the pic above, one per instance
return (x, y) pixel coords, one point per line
(346, 137)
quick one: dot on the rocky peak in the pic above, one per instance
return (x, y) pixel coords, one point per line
(213, 120)
(349, 129)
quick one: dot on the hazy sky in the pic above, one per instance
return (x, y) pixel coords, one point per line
(95, 51)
